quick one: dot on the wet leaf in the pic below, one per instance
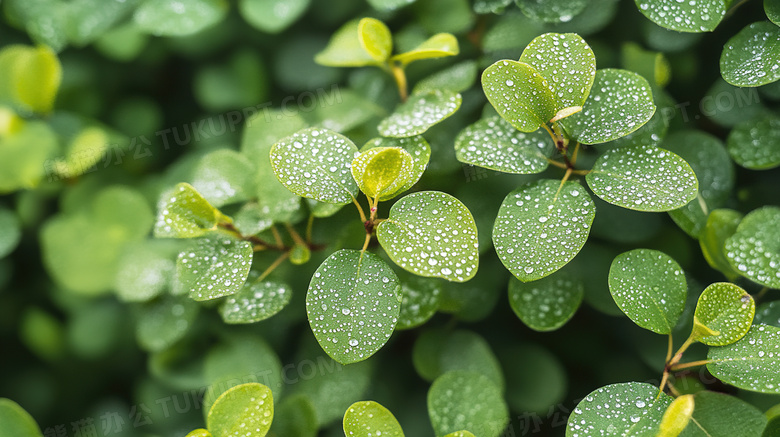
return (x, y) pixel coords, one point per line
(437, 46)
(721, 225)
(643, 178)
(751, 57)
(243, 407)
(431, 234)
(353, 305)
(462, 400)
(546, 304)
(619, 103)
(416, 146)
(626, 409)
(754, 249)
(420, 113)
(689, 16)
(539, 229)
(520, 94)
(490, 6)
(179, 17)
(752, 363)
(314, 163)
(718, 414)
(420, 300)
(216, 266)
(255, 301)
(755, 144)
(199, 433)
(224, 176)
(186, 214)
(272, 16)
(649, 287)
(164, 321)
(768, 314)
(383, 172)
(772, 10)
(369, 418)
(724, 313)
(17, 422)
(495, 144)
(560, 11)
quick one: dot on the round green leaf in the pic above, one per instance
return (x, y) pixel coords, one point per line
(416, 146)
(179, 17)
(457, 78)
(382, 172)
(30, 77)
(519, 94)
(723, 315)
(540, 228)
(314, 163)
(353, 305)
(721, 224)
(772, 9)
(420, 300)
(626, 409)
(420, 113)
(752, 363)
(752, 57)
(272, 16)
(10, 231)
(295, 416)
(431, 234)
(755, 144)
(643, 178)
(145, 270)
(437, 46)
(16, 422)
(163, 322)
(619, 103)
(241, 408)
(462, 400)
(375, 38)
(22, 166)
(566, 61)
(369, 418)
(768, 314)
(546, 304)
(721, 415)
(754, 249)
(467, 351)
(346, 48)
(224, 176)
(495, 144)
(214, 267)
(560, 11)
(186, 214)
(255, 301)
(688, 16)
(649, 287)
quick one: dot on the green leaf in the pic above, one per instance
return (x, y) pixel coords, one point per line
(44, 20)
(224, 176)
(718, 414)
(457, 78)
(460, 433)
(353, 305)
(382, 172)
(755, 144)
(251, 219)
(347, 111)
(199, 433)
(689, 16)
(752, 363)
(84, 151)
(651, 65)
(417, 147)
(772, 10)
(768, 314)
(216, 266)
(495, 144)
(346, 48)
(619, 103)
(490, 6)
(371, 418)
(437, 46)
(547, 304)
(10, 231)
(420, 300)
(16, 422)
(751, 57)
(649, 287)
(23, 166)
(420, 113)
(255, 301)
(314, 163)
(643, 178)
(389, 5)
(677, 416)
(552, 12)
(462, 400)
(145, 270)
(431, 234)
(541, 226)
(272, 16)
(300, 254)
(295, 415)
(179, 17)
(89, 19)
(438, 352)
(566, 61)
(163, 322)
(375, 39)
(724, 313)
(721, 224)
(186, 214)
(243, 407)
(625, 409)
(30, 77)
(520, 94)
(754, 249)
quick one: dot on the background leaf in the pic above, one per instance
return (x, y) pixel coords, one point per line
(721, 224)
(272, 16)
(754, 249)
(224, 176)
(17, 422)
(546, 304)
(179, 17)
(420, 300)
(755, 144)
(437, 46)
(751, 57)
(345, 48)
(461, 400)
(163, 322)
(375, 38)
(255, 301)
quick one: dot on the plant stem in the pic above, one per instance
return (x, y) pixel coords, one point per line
(574, 155)
(689, 365)
(309, 226)
(294, 234)
(365, 243)
(277, 237)
(557, 163)
(360, 210)
(400, 80)
(273, 266)
(669, 349)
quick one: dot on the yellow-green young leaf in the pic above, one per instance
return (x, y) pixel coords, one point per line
(16, 422)
(346, 49)
(754, 249)
(164, 321)
(415, 146)
(215, 266)
(84, 151)
(464, 400)
(546, 304)
(255, 301)
(643, 178)
(242, 408)
(300, 254)
(688, 16)
(721, 224)
(369, 418)
(24, 156)
(437, 46)
(520, 95)
(179, 17)
(272, 16)
(419, 113)
(723, 315)
(375, 38)
(10, 123)
(676, 417)
(186, 214)
(383, 171)
(752, 363)
(29, 77)
(751, 57)
(199, 433)
(626, 409)
(755, 144)
(431, 234)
